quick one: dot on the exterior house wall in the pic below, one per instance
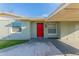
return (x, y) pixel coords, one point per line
(65, 30)
(34, 30)
(4, 30)
(6, 26)
(29, 30)
(45, 30)
(69, 30)
(25, 34)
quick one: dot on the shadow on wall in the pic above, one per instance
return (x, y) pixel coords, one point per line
(69, 30)
(65, 48)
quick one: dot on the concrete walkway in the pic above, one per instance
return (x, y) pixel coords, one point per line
(31, 49)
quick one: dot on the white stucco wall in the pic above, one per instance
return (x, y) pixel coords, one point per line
(45, 30)
(5, 30)
(33, 30)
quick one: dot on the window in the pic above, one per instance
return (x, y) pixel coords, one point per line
(51, 31)
(52, 28)
(16, 27)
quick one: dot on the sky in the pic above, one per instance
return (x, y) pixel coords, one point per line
(30, 9)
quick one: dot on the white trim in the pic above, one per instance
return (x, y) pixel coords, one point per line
(58, 9)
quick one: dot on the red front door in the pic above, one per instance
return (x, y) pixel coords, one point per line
(40, 30)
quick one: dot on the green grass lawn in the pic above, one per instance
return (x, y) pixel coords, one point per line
(8, 43)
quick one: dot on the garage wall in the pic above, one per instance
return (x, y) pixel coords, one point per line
(68, 30)
(6, 34)
(77, 30)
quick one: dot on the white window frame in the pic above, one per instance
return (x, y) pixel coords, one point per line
(56, 29)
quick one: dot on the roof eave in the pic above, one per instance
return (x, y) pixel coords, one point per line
(63, 5)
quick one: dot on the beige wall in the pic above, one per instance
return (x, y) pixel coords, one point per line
(69, 30)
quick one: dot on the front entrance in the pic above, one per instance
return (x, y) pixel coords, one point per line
(40, 30)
